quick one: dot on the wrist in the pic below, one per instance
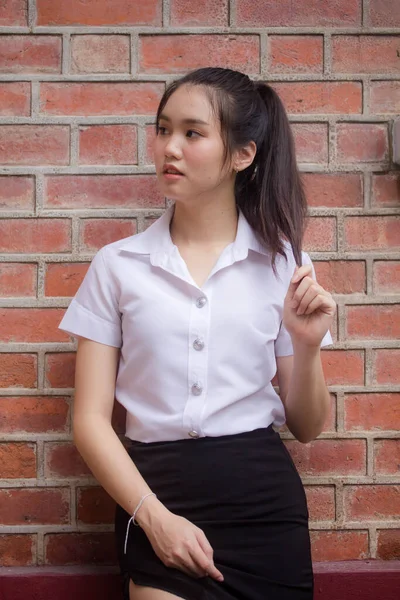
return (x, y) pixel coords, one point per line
(303, 349)
(151, 510)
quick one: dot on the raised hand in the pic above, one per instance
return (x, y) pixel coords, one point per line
(308, 309)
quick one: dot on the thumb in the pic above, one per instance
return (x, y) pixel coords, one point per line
(294, 282)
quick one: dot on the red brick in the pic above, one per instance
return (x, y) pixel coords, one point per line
(372, 233)
(17, 279)
(388, 544)
(99, 12)
(311, 142)
(96, 233)
(321, 502)
(387, 457)
(102, 191)
(372, 412)
(34, 414)
(18, 370)
(25, 506)
(64, 279)
(296, 53)
(14, 13)
(100, 54)
(385, 97)
(362, 142)
(311, 13)
(320, 234)
(343, 367)
(94, 506)
(315, 97)
(340, 276)
(108, 145)
(386, 277)
(80, 548)
(386, 366)
(179, 53)
(30, 54)
(208, 12)
(365, 54)
(333, 190)
(17, 550)
(100, 98)
(60, 369)
(34, 325)
(63, 460)
(384, 13)
(339, 545)
(15, 99)
(386, 190)
(371, 502)
(150, 137)
(17, 460)
(329, 457)
(373, 322)
(16, 193)
(35, 235)
(34, 145)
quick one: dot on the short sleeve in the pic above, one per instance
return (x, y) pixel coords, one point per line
(93, 312)
(283, 343)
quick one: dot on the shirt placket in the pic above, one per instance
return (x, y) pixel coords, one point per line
(197, 362)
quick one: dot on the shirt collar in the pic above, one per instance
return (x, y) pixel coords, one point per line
(156, 240)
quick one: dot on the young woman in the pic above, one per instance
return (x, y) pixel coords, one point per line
(187, 323)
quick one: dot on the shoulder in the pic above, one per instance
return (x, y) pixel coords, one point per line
(111, 252)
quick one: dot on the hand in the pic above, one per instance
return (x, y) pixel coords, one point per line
(179, 544)
(308, 309)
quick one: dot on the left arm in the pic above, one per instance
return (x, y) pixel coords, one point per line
(307, 315)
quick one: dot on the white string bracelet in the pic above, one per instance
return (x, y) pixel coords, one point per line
(132, 519)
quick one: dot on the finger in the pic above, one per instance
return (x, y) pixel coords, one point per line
(301, 289)
(206, 565)
(323, 302)
(298, 275)
(209, 552)
(310, 294)
(205, 544)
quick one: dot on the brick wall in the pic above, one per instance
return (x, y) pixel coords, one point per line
(79, 85)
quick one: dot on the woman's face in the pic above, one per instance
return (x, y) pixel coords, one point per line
(189, 139)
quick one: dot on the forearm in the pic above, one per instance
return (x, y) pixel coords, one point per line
(307, 400)
(112, 466)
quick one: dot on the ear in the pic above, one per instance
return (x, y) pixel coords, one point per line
(244, 157)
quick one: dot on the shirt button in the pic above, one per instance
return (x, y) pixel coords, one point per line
(196, 389)
(198, 344)
(193, 434)
(200, 302)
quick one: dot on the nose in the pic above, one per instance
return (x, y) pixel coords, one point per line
(172, 147)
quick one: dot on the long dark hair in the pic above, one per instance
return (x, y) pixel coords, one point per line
(269, 192)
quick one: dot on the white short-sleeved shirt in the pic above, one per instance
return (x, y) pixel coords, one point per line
(194, 361)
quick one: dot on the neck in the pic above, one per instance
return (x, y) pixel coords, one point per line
(204, 225)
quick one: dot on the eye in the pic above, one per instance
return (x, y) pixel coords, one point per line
(191, 131)
(161, 130)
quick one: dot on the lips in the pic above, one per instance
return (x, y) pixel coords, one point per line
(171, 170)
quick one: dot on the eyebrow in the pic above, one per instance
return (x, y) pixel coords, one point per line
(185, 121)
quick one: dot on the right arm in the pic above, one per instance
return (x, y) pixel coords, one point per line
(176, 541)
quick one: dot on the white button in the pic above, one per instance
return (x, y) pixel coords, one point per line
(196, 389)
(198, 344)
(193, 434)
(200, 302)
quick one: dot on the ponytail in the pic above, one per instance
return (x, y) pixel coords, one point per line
(277, 208)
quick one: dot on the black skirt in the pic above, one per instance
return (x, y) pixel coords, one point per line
(244, 492)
